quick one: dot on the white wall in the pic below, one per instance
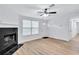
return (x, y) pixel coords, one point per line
(8, 16)
(58, 28)
(60, 25)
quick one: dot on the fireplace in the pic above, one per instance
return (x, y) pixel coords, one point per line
(8, 40)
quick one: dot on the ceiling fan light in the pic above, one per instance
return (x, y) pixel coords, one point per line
(45, 15)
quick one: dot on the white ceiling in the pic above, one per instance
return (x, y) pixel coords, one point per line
(31, 9)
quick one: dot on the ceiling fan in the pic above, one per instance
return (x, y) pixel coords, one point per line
(45, 11)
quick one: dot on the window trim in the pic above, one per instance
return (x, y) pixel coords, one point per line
(31, 28)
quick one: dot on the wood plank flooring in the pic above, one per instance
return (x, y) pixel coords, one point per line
(50, 47)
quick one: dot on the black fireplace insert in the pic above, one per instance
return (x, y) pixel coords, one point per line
(8, 41)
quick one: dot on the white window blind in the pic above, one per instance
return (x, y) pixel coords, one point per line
(30, 27)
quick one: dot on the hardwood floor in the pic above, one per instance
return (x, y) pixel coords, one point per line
(50, 47)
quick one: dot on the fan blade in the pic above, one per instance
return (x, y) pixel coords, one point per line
(41, 14)
(52, 5)
(51, 12)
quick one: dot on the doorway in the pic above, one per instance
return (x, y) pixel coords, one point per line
(74, 27)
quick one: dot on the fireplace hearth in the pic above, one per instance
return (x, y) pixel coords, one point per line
(8, 41)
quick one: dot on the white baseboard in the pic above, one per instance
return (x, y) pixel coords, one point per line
(59, 38)
(41, 37)
(27, 40)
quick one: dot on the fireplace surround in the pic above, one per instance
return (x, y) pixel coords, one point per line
(8, 41)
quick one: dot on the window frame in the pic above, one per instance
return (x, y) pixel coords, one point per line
(31, 28)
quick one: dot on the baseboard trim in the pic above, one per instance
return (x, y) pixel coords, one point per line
(59, 38)
(28, 41)
(43, 38)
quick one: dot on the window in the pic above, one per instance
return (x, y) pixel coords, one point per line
(30, 27)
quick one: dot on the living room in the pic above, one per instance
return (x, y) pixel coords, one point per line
(33, 28)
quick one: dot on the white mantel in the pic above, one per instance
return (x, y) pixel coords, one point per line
(7, 25)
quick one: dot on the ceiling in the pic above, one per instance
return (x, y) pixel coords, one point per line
(31, 9)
